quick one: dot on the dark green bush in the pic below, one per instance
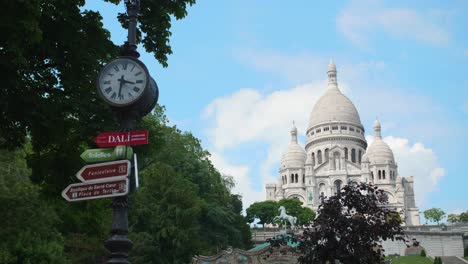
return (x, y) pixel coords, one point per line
(423, 253)
(437, 260)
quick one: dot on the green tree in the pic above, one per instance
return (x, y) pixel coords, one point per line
(349, 227)
(28, 233)
(434, 214)
(463, 217)
(49, 60)
(221, 222)
(305, 217)
(453, 218)
(164, 217)
(265, 211)
(294, 207)
(50, 57)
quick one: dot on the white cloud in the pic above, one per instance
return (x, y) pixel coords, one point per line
(364, 19)
(249, 115)
(416, 160)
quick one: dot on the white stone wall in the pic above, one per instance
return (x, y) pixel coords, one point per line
(435, 243)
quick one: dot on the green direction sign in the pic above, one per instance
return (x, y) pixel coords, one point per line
(107, 154)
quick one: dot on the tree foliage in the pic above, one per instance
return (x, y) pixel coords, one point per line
(267, 210)
(434, 214)
(458, 218)
(349, 227)
(295, 208)
(51, 52)
(28, 233)
(164, 217)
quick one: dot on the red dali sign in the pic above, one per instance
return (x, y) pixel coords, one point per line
(104, 171)
(130, 138)
(95, 190)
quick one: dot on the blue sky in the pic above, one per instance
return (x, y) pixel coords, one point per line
(242, 71)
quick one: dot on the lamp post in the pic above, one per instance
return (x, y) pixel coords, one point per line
(132, 104)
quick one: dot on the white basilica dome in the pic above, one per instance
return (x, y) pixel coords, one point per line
(379, 152)
(333, 105)
(295, 155)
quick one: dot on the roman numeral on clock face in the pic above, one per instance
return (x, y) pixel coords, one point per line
(136, 89)
(116, 68)
(108, 90)
(139, 81)
(113, 95)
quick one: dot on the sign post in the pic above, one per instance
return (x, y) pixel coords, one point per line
(95, 190)
(107, 154)
(107, 171)
(130, 138)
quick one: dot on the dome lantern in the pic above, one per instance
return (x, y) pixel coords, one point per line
(332, 82)
(377, 128)
(294, 133)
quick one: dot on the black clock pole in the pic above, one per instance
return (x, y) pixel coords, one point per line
(119, 244)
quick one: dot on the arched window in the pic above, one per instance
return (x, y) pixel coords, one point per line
(359, 156)
(326, 154)
(313, 159)
(319, 157)
(346, 153)
(292, 178)
(372, 175)
(380, 175)
(296, 178)
(353, 155)
(383, 174)
(337, 186)
(303, 178)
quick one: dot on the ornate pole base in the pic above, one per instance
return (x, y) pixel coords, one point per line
(118, 244)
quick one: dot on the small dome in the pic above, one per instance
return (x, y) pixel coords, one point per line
(379, 151)
(295, 155)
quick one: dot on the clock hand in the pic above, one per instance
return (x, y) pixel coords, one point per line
(121, 80)
(125, 81)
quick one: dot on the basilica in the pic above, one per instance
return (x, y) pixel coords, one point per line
(336, 152)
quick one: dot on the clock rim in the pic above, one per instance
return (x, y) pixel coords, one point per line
(145, 87)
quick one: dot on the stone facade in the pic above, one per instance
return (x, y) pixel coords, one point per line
(337, 152)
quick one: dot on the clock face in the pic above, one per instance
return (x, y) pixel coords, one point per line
(122, 81)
